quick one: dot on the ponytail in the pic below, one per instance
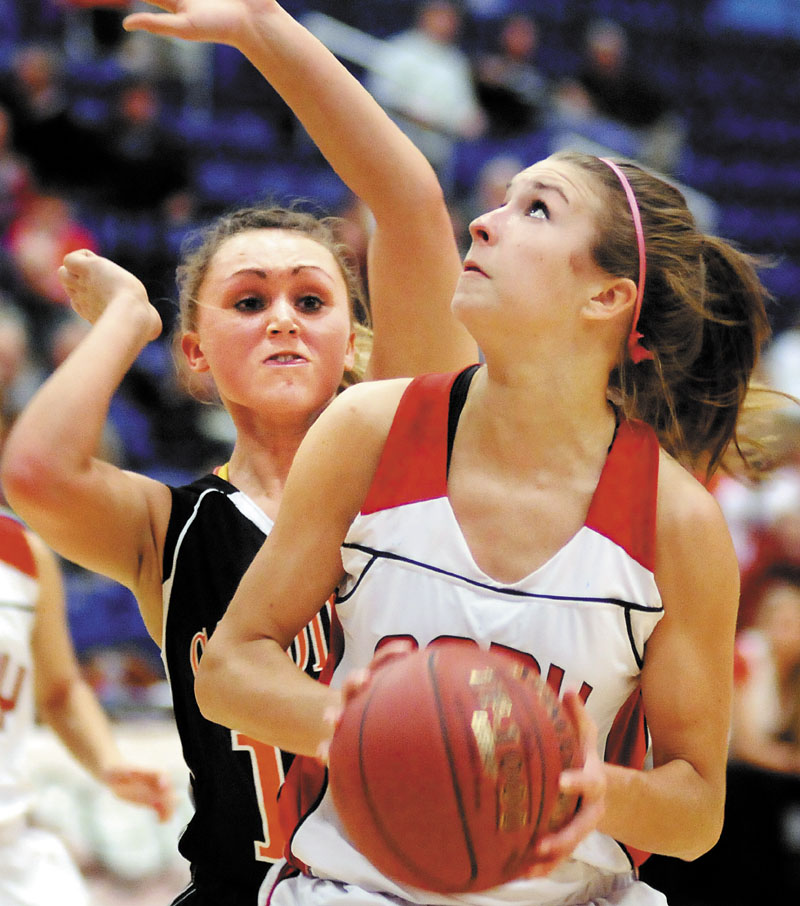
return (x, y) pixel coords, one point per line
(703, 317)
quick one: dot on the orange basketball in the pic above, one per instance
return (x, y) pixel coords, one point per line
(445, 768)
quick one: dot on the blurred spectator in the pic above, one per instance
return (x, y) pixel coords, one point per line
(16, 177)
(766, 714)
(64, 154)
(423, 78)
(99, 20)
(510, 87)
(20, 375)
(608, 92)
(148, 165)
(36, 242)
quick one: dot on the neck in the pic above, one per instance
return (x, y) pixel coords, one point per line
(535, 415)
(260, 463)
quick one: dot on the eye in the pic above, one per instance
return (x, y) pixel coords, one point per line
(539, 209)
(249, 303)
(309, 303)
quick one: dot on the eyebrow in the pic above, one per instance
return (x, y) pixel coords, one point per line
(260, 272)
(547, 187)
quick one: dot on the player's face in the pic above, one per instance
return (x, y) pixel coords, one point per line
(530, 260)
(273, 324)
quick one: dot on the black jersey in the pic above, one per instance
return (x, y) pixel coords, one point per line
(233, 837)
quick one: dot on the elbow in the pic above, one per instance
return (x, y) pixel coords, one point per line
(52, 701)
(25, 479)
(705, 835)
(209, 685)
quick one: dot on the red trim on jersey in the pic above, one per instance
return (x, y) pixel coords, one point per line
(413, 465)
(14, 547)
(626, 745)
(306, 779)
(623, 508)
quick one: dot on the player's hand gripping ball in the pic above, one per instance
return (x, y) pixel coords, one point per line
(445, 768)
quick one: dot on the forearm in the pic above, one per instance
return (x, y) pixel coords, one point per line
(255, 688)
(60, 430)
(670, 810)
(75, 715)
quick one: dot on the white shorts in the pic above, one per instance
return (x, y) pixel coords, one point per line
(304, 891)
(37, 870)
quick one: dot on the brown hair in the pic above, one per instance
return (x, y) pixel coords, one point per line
(200, 247)
(703, 316)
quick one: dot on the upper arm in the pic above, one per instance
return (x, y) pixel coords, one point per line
(413, 268)
(107, 520)
(299, 565)
(688, 672)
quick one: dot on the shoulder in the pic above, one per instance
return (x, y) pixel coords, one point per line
(694, 544)
(348, 437)
(684, 504)
(369, 406)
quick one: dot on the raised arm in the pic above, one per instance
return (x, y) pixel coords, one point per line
(686, 682)
(91, 512)
(67, 703)
(245, 679)
(413, 258)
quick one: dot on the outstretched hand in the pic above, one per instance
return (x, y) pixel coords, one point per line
(587, 784)
(142, 786)
(93, 282)
(218, 21)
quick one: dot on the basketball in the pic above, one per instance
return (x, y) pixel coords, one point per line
(445, 768)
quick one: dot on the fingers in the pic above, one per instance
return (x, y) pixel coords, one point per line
(75, 259)
(330, 720)
(73, 270)
(151, 789)
(355, 682)
(585, 784)
(164, 24)
(584, 725)
(390, 652)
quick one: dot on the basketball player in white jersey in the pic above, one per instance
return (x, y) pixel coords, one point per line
(545, 506)
(268, 309)
(39, 671)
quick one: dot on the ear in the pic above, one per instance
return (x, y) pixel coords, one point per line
(195, 358)
(350, 352)
(616, 296)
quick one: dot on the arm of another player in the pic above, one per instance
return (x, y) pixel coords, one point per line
(88, 510)
(686, 681)
(68, 704)
(414, 262)
(245, 679)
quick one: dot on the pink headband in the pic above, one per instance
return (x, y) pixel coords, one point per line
(637, 352)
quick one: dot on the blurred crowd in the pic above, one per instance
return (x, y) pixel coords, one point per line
(120, 166)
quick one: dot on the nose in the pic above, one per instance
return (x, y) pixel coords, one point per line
(281, 318)
(482, 228)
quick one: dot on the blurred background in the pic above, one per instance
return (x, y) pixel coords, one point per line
(125, 143)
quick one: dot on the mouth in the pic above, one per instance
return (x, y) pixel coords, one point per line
(471, 268)
(285, 358)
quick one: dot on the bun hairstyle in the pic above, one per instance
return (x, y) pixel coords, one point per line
(703, 315)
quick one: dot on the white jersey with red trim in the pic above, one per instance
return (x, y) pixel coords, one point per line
(19, 591)
(583, 618)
